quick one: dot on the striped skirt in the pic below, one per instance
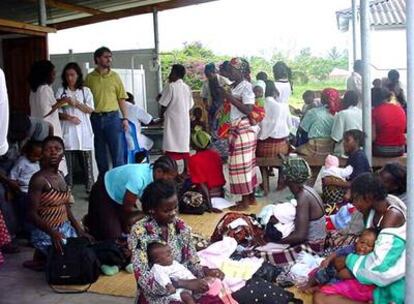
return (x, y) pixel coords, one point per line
(272, 147)
(242, 158)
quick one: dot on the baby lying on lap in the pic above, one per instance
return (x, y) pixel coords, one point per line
(333, 268)
(166, 270)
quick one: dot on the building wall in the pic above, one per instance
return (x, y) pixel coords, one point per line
(121, 60)
(389, 51)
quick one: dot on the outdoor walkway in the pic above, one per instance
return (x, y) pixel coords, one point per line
(22, 286)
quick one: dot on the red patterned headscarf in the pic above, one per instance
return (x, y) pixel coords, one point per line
(333, 99)
(242, 65)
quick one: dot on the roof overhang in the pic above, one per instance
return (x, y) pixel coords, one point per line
(17, 27)
(22, 16)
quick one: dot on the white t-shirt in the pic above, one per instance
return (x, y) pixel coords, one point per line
(138, 115)
(23, 171)
(4, 114)
(345, 120)
(77, 137)
(178, 99)
(244, 92)
(354, 83)
(277, 121)
(41, 103)
(285, 90)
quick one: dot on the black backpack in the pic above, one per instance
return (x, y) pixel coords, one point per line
(78, 265)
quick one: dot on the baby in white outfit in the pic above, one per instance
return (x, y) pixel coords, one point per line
(332, 168)
(165, 269)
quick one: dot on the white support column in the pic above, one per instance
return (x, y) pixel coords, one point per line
(157, 49)
(366, 77)
(409, 268)
(354, 31)
(42, 12)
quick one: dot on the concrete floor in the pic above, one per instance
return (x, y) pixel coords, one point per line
(22, 286)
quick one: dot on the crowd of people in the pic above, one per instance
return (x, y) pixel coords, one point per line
(358, 222)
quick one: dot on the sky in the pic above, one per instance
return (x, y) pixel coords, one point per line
(228, 27)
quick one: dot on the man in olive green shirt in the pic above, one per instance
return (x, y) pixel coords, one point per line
(109, 97)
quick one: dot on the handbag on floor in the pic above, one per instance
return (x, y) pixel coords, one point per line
(77, 265)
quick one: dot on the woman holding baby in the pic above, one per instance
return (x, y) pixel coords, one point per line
(384, 267)
(161, 239)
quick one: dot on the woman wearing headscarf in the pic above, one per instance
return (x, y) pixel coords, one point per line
(205, 167)
(309, 220)
(242, 138)
(317, 124)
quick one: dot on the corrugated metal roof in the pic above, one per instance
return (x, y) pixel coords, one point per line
(383, 14)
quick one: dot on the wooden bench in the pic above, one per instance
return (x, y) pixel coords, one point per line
(316, 162)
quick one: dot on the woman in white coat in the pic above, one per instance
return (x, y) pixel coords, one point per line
(75, 122)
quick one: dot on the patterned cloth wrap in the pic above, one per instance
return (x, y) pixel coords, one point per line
(289, 256)
(223, 120)
(332, 196)
(257, 114)
(245, 235)
(296, 169)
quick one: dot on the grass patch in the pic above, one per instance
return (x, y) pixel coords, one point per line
(298, 89)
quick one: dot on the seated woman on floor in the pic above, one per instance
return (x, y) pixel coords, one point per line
(159, 204)
(112, 203)
(206, 168)
(49, 208)
(389, 124)
(317, 124)
(385, 266)
(310, 214)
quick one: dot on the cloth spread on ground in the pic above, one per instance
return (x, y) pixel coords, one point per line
(351, 289)
(217, 255)
(221, 203)
(285, 213)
